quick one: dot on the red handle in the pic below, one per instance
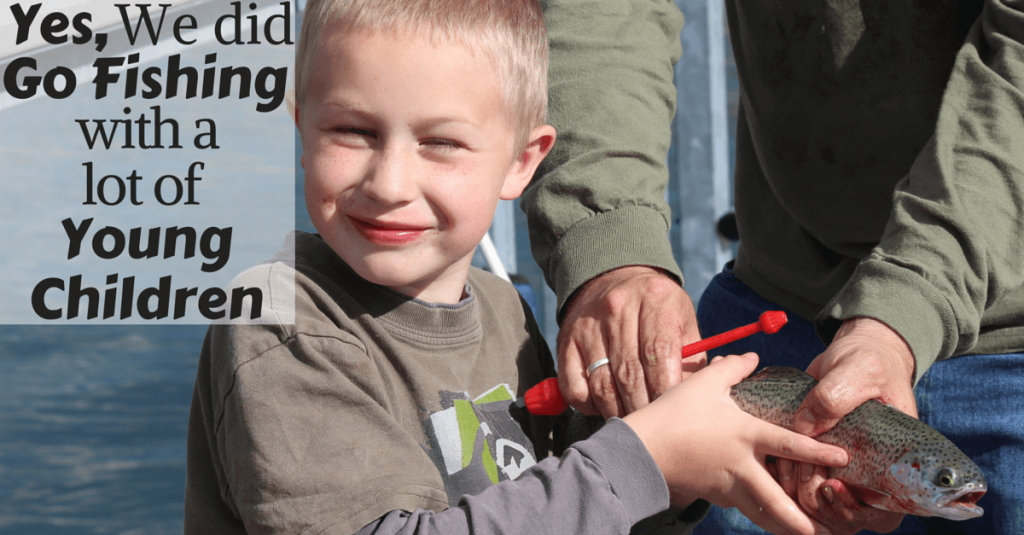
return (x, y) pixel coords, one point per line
(545, 398)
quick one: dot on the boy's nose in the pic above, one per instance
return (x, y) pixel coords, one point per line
(391, 179)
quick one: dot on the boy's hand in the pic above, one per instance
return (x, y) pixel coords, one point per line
(638, 318)
(707, 447)
(866, 360)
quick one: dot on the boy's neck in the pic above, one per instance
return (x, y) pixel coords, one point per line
(447, 287)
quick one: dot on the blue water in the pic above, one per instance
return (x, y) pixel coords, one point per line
(93, 419)
(92, 428)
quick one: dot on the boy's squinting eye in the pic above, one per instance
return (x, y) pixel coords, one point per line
(354, 137)
(443, 143)
(347, 130)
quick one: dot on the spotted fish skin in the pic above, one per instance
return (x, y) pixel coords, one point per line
(897, 462)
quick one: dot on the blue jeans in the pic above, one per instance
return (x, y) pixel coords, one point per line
(977, 401)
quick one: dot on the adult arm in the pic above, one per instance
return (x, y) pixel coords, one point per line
(952, 247)
(954, 241)
(596, 207)
(953, 244)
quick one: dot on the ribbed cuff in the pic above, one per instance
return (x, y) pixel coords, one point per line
(629, 236)
(901, 299)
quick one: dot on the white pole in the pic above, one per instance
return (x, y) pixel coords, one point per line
(493, 260)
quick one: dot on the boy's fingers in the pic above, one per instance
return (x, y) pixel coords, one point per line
(786, 444)
(777, 510)
(731, 369)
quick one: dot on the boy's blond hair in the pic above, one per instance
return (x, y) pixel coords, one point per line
(510, 33)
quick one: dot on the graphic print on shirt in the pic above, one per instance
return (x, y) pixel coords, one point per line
(477, 443)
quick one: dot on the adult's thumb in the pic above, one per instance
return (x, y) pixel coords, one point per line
(822, 409)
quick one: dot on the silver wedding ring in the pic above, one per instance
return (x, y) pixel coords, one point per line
(595, 366)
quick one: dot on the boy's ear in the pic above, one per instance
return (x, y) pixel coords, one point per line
(538, 145)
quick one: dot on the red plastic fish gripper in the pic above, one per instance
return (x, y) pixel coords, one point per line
(545, 398)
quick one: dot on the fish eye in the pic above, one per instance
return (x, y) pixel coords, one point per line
(947, 477)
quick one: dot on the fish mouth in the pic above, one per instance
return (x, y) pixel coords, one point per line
(963, 503)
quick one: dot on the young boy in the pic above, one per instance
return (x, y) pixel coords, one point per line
(389, 405)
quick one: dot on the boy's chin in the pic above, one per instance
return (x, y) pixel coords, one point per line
(383, 274)
(398, 276)
(433, 287)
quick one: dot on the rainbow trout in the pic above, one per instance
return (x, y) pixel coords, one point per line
(897, 462)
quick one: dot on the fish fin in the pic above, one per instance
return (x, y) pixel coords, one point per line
(781, 374)
(888, 502)
(870, 496)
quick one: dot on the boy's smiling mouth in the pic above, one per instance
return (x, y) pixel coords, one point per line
(380, 233)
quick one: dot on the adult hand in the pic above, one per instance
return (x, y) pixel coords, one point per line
(707, 447)
(866, 360)
(637, 317)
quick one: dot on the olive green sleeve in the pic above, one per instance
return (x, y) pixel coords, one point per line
(598, 200)
(953, 248)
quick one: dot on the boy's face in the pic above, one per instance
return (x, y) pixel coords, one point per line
(407, 148)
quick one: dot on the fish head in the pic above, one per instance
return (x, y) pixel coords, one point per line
(935, 479)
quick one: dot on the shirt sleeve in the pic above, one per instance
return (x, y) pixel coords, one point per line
(606, 484)
(597, 201)
(955, 239)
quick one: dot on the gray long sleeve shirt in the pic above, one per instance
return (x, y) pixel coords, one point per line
(372, 411)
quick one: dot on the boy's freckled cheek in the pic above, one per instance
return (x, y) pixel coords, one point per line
(328, 204)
